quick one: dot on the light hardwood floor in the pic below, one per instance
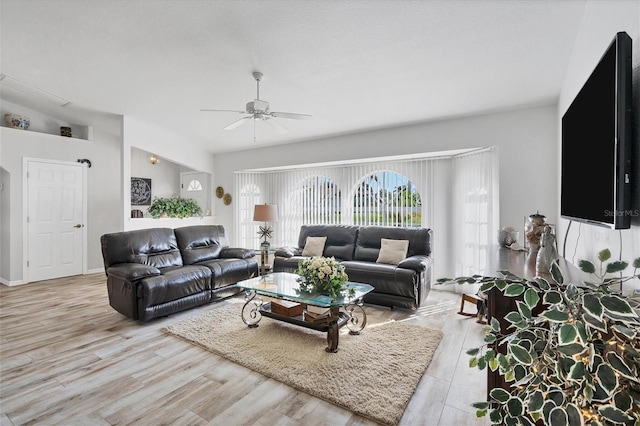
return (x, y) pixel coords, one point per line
(68, 358)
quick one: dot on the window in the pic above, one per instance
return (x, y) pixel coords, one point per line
(321, 201)
(194, 185)
(387, 198)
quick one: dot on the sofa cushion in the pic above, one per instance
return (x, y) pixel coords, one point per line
(314, 246)
(155, 247)
(174, 284)
(230, 271)
(392, 251)
(341, 239)
(201, 242)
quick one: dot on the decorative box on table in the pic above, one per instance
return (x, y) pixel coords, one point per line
(286, 308)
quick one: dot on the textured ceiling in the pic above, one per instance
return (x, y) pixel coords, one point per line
(353, 65)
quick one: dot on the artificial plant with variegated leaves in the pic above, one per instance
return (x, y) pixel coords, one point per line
(572, 351)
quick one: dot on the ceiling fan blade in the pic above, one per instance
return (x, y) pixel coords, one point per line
(290, 115)
(277, 126)
(237, 123)
(223, 110)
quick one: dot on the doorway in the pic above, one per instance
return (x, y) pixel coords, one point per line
(55, 206)
(196, 185)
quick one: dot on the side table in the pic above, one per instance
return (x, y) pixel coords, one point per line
(265, 264)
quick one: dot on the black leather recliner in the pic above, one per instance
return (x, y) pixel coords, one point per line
(405, 285)
(156, 272)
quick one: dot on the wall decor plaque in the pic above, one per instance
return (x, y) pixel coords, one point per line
(219, 192)
(140, 191)
(227, 199)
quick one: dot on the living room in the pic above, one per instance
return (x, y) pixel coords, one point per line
(527, 139)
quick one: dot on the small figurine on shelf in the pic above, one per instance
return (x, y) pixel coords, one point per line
(534, 229)
(547, 252)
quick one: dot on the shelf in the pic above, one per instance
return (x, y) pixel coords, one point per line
(85, 133)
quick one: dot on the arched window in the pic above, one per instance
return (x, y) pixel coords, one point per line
(387, 198)
(194, 185)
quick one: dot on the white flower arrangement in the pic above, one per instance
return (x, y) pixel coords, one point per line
(324, 275)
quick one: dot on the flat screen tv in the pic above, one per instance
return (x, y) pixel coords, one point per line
(596, 143)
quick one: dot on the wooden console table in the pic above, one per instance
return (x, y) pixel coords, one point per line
(521, 264)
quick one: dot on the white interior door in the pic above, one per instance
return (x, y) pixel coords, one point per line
(196, 185)
(55, 213)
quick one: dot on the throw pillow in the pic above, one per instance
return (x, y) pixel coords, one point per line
(314, 246)
(392, 251)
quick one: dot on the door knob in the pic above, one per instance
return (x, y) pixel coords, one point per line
(77, 226)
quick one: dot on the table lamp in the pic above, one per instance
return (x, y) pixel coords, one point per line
(265, 213)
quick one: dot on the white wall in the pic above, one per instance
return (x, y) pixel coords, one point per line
(601, 21)
(140, 136)
(526, 140)
(104, 199)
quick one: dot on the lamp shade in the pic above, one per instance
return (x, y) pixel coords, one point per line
(265, 213)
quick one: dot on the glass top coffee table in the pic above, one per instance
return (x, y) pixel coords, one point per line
(345, 310)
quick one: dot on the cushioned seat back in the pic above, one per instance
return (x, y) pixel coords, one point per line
(200, 243)
(369, 238)
(341, 239)
(154, 247)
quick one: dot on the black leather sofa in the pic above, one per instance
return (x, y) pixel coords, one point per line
(156, 272)
(404, 285)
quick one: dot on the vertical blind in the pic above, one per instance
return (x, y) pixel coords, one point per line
(416, 192)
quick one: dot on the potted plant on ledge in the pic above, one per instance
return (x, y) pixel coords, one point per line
(571, 354)
(174, 206)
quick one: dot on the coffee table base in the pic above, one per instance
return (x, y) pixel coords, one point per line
(254, 309)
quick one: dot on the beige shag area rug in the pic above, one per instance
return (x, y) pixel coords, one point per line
(373, 374)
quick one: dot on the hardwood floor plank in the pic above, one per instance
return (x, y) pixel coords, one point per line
(66, 357)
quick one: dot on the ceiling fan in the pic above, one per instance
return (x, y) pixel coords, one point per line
(259, 110)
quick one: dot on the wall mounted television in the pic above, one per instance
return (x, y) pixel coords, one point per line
(596, 162)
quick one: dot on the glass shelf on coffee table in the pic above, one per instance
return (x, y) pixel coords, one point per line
(344, 310)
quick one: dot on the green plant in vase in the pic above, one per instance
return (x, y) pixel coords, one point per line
(572, 353)
(174, 206)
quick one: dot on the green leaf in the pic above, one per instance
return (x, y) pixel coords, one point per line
(536, 399)
(591, 304)
(571, 349)
(574, 415)
(495, 325)
(480, 405)
(489, 338)
(493, 364)
(594, 322)
(524, 310)
(623, 400)
(500, 395)
(515, 407)
(555, 315)
(558, 417)
(531, 298)
(617, 266)
(618, 364)
(501, 284)
(586, 266)
(604, 255)
(513, 317)
(618, 306)
(482, 363)
(473, 362)
(487, 286)
(552, 297)
(521, 354)
(567, 334)
(481, 413)
(542, 283)
(636, 263)
(607, 378)
(576, 372)
(495, 417)
(556, 272)
(614, 414)
(514, 289)
(623, 331)
(473, 351)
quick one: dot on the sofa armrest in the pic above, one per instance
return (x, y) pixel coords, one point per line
(132, 271)
(418, 263)
(288, 252)
(236, 253)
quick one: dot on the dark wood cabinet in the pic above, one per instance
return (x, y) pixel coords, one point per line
(522, 264)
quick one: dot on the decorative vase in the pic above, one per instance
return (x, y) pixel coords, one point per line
(547, 252)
